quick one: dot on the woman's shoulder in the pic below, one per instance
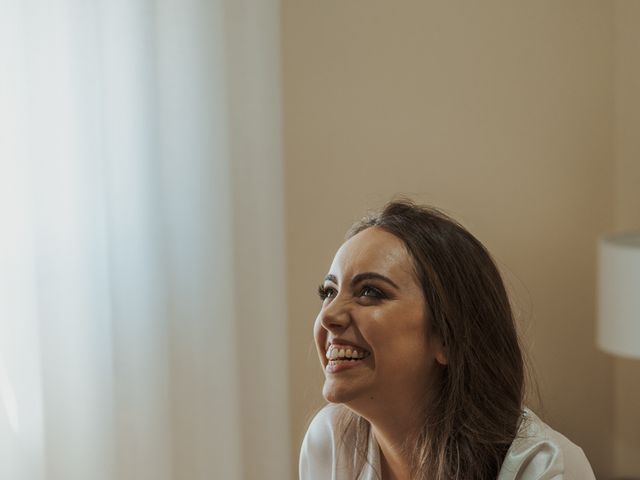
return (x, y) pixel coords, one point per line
(541, 452)
(317, 453)
(327, 452)
(322, 428)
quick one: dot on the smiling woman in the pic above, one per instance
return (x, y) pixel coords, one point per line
(422, 362)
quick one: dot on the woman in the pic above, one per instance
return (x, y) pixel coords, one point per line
(423, 369)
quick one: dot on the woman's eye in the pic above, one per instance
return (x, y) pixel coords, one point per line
(326, 292)
(369, 291)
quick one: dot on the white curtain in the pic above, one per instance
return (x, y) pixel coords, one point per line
(142, 289)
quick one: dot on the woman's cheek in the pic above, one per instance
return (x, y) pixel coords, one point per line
(319, 334)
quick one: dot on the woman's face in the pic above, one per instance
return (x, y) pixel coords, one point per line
(374, 310)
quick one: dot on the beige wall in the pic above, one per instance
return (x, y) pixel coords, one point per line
(627, 216)
(502, 115)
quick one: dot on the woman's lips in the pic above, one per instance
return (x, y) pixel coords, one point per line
(335, 366)
(342, 355)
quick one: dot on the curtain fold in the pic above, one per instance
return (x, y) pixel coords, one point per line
(142, 304)
(254, 95)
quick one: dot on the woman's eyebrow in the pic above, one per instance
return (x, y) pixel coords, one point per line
(331, 278)
(373, 276)
(364, 276)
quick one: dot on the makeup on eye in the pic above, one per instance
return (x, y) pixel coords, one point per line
(326, 292)
(371, 291)
(365, 290)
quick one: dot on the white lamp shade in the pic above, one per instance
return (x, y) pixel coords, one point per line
(619, 294)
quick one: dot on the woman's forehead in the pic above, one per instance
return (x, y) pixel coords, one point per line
(372, 250)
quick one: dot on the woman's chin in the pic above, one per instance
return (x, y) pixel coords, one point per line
(336, 393)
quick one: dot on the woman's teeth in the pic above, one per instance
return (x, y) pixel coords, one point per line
(338, 354)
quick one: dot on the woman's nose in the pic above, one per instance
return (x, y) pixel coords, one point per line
(336, 315)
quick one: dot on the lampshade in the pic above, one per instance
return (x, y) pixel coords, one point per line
(619, 294)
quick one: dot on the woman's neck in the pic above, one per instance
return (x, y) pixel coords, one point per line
(395, 423)
(391, 432)
(393, 461)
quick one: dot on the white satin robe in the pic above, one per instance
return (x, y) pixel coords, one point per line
(537, 453)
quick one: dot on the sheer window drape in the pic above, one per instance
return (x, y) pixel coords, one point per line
(142, 304)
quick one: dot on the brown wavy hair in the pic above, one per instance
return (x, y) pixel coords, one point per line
(470, 421)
